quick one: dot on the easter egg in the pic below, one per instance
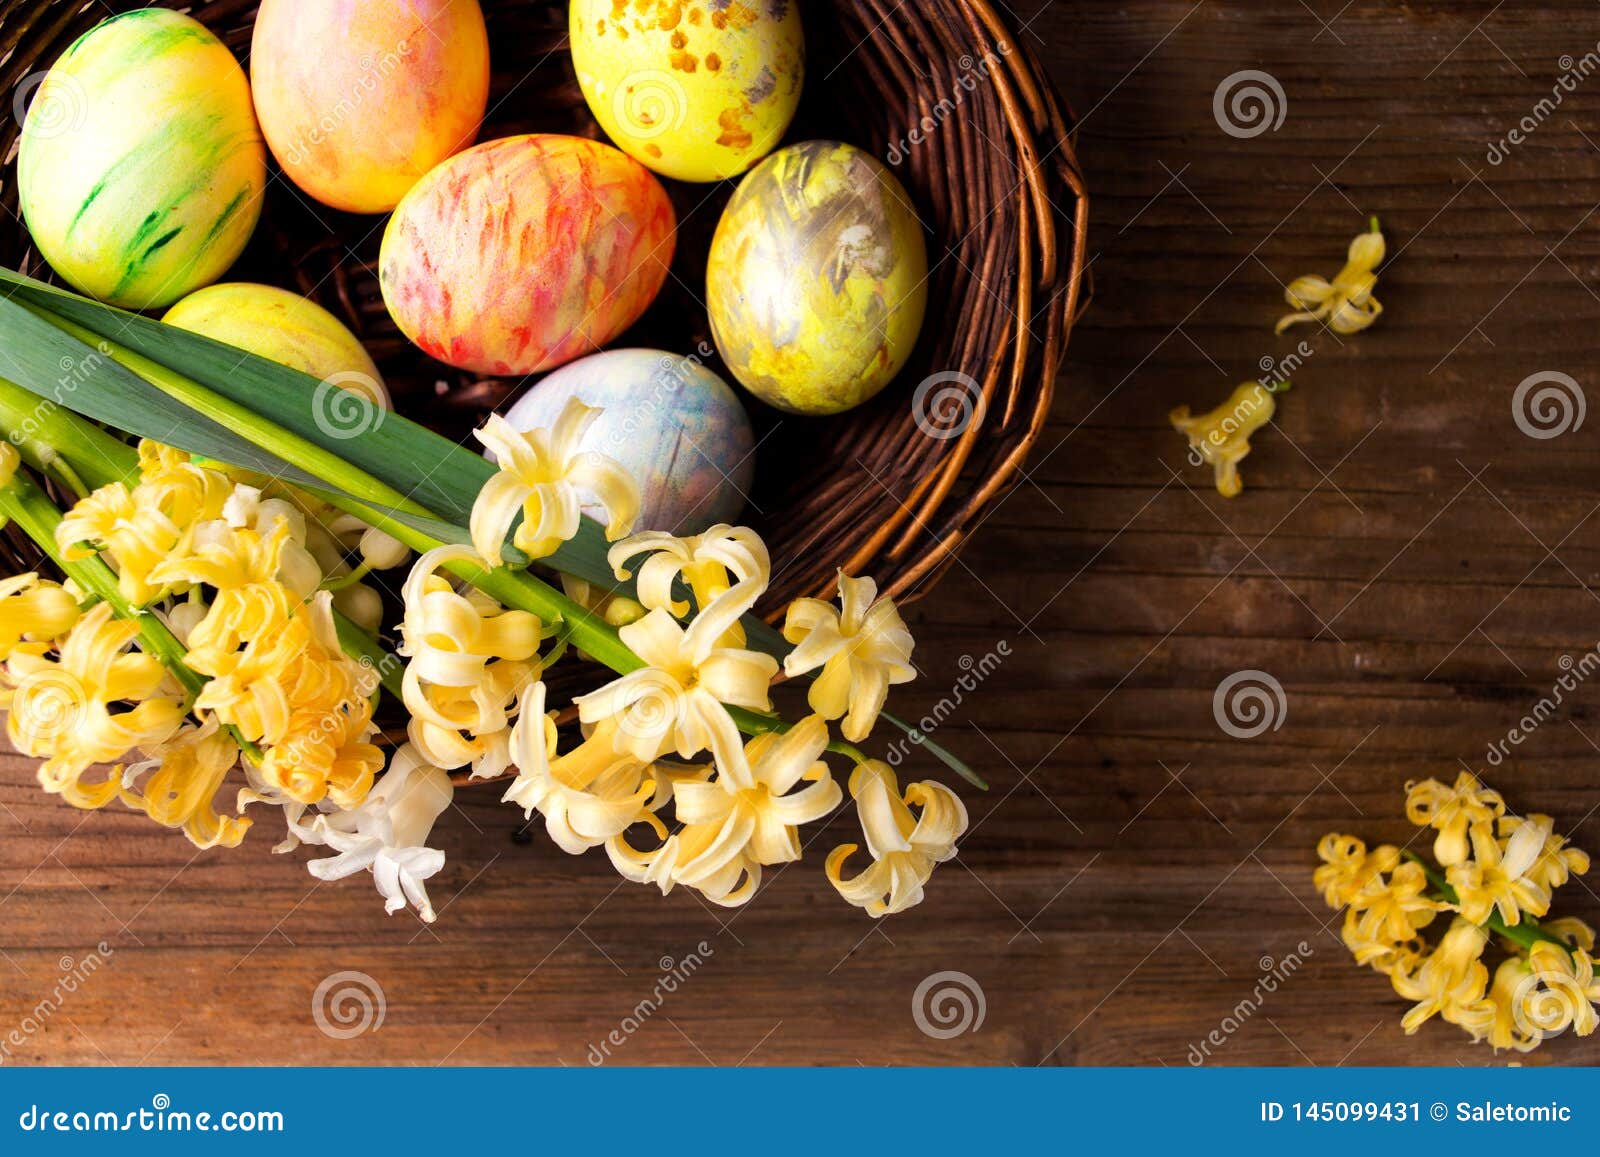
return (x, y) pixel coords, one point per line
(283, 327)
(359, 98)
(817, 278)
(671, 423)
(521, 254)
(695, 91)
(141, 168)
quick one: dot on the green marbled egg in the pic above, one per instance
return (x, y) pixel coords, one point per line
(141, 167)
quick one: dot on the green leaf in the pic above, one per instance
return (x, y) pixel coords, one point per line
(954, 762)
(441, 475)
(64, 371)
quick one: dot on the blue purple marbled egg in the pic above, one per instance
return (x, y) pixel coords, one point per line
(672, 423)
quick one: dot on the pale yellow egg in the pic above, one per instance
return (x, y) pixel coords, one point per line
(284, 327)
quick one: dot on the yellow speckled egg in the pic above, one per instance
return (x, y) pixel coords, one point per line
(359, 98)
(283, 327)
(141, 167)
(697, 90)
(817, 278)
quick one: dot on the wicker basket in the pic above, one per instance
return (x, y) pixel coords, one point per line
(890, 489)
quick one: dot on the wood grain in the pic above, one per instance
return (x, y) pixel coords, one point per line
(1404, 560)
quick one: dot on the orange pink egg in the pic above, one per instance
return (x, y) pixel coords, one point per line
(521, 254)
(359, 98)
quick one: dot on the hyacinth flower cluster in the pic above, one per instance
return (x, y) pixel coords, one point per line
(208, 647)
(1428, 926)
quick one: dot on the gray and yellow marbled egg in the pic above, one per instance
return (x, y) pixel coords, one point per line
(817, 278)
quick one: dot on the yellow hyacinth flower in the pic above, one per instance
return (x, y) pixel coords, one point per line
(1452, 811)
(1563, 992)
(60, 710)
(710, 563)
(229, 558)
(1499, 1019)
(1222, 437)
(679, 700)
(141, 527)
(1348, 869)
(34, 612)
(1346, 303)
(245, 642)
(544, 476)
(862, 646)
(586, 796)
(1570, 930)
(905, 848)
(469, 660)
(1372, 948)
(1495, 879)
(733, 825)
(1557, 861)
(181, 778)
(1450, 981)
(326, 753)
(1395, 911)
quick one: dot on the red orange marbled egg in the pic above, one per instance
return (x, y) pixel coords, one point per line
(521, 254)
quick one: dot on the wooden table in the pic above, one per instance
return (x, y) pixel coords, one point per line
(1405, 562)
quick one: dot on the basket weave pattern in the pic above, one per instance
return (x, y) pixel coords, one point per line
(944, 91)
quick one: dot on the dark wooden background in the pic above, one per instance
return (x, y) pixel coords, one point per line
(1405, 561)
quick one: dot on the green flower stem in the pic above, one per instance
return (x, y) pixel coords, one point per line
(512, 588)
(1526, 932)
(57, 442)
(23, 502)
(270, 436)
(366, 650)
(587, 631)
(29, 507)
(363, 495)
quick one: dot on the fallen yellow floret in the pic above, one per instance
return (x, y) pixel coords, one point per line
(1346, 303)
(1222, 437)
